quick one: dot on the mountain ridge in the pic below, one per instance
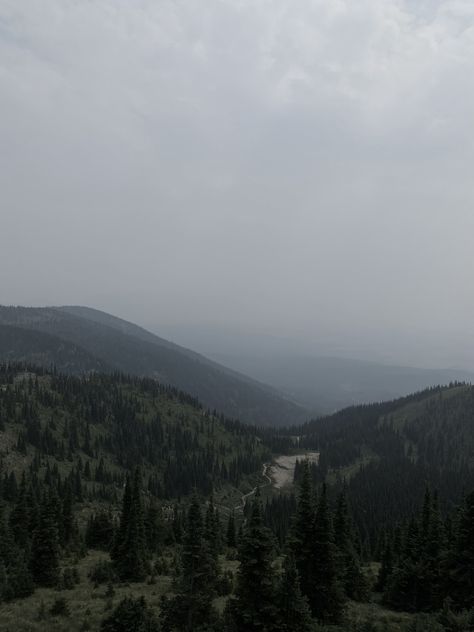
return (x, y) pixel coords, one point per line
(118, 345)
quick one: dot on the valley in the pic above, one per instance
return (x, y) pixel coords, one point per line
(82, 455)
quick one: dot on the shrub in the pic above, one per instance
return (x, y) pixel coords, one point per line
(131, 615)
(59, 608)
(102, 573)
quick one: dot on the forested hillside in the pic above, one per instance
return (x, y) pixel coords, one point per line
(125, 504)
(387, 453)
(96, 428)
(78, 339)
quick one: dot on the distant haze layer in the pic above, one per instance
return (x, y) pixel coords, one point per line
(298, 169)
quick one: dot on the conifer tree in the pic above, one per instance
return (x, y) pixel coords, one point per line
(347, 559)
(386, 567)
(327, 601)
(254, 607)
(129, 552)
(44, 562)
(460, 580)
(212, 528)
(154, 528)
(294, 611)
(20, 516)
(67, 519)
(191, 608)
(131, 615)
(19, 577)
(302, 536)
(231, 535)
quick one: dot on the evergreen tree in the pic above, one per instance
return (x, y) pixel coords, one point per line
(44, 562)
(302, 536)
(212, 528)
(131, 615)
(294, 611)
(19, 578)
(20, 516)
(348, 564)
(67, 520)
(154, 528)
(231, 535)
(327, 601)
(254, 607)
(386, 567)
(460, 576)
(129, 552)
(191, 608)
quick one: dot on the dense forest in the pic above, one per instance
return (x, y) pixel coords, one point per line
(127, 505)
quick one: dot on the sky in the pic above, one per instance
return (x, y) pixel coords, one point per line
(296, 170)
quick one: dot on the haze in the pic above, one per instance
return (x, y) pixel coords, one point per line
(294, 172)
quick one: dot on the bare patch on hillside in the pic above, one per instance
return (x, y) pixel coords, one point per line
(282, 470)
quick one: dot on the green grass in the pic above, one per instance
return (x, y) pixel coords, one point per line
(384, 620)
(87, 605)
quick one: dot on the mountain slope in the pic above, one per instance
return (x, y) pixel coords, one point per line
(389, 452)
(36, 347)
(118, 345)
(111, 424)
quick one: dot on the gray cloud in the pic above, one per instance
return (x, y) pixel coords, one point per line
(303, 169)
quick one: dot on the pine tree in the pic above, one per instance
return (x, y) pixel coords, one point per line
(121, 535)
(294, 611)
(129, 552)
(19, 578)
(430, 576)
(302, 536)
(67, 519)
(231, 535)
(386, 567)
(131, 615)
(327, 601)
(154, 528)
(212, 528)
(44, 562)
(460, 579)
(348, 564)
(19, 517)
(254, 607)
(191, 608)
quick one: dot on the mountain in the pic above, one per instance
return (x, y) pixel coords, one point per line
(36, 347)
(387, 453)
(332, 383)
(78, 339)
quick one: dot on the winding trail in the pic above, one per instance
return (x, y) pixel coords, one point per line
(243, 500)
(281, 472)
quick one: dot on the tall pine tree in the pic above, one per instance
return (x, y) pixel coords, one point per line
(254, 607)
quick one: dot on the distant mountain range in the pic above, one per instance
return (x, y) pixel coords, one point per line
(80, 339)
(267, 387)
(328, 384)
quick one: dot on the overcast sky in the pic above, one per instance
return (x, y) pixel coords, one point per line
(300, 168)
